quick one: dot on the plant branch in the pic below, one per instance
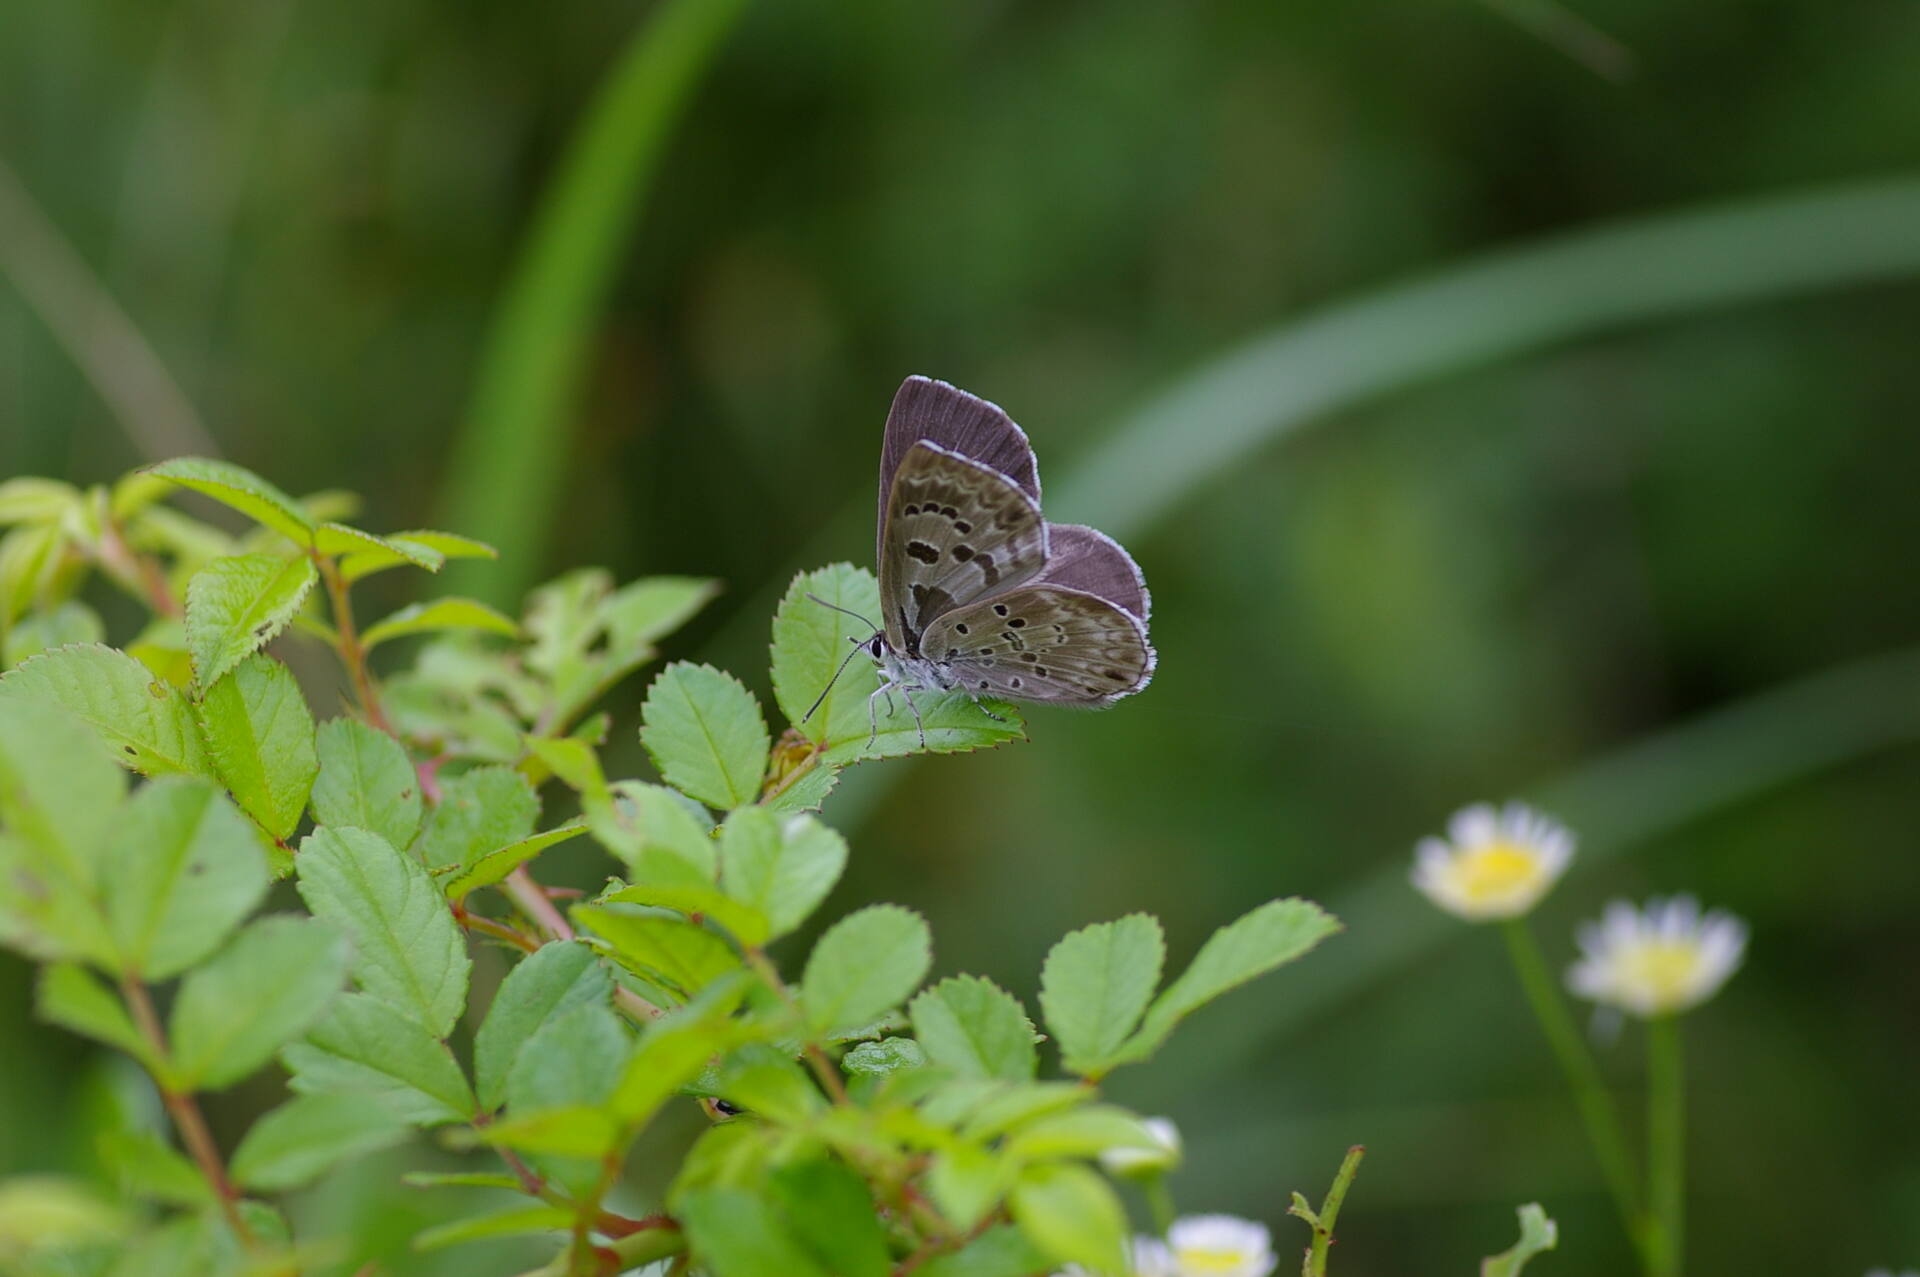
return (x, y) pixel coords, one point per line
(186, 1115)
(352, 653)
(532, 901)
(830, 1079)
(1322, 1221)
(1590, 1094)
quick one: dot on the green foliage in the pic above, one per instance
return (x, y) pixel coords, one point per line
(877, 1123)
(1537, 1233)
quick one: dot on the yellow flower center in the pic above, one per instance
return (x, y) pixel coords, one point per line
(1662, 970)
(1195, 1261)
(1495, 870)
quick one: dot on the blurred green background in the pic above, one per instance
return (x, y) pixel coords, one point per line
(1625, 525)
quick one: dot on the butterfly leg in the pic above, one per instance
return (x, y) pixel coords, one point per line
(907, 693)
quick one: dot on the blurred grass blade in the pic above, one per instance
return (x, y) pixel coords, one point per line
(1510, 303)
(96, 334)
(509, 460)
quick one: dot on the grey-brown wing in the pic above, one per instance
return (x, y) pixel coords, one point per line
(961, 423)
(954, 530)
(1044, 643)
(1092, 562)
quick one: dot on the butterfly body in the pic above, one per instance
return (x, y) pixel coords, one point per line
(981, 594)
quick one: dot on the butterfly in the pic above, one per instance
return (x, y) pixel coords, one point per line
(979, 593)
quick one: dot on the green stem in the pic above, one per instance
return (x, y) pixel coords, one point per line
(1590, 1093)
(352, 654)
(1159, 1202)
(1330, 1210)
(1666, 1142)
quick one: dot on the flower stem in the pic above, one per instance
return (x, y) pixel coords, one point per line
(1590, 1094)
(1666, 1142)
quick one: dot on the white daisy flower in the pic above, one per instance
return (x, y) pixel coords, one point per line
(1207, 1246)
(1667, 958)
(1134, 1161)
(1492, 864)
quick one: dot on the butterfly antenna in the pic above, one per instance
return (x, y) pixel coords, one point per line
(845, 611)
(836, 676)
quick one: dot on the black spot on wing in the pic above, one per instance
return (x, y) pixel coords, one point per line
(922, 551)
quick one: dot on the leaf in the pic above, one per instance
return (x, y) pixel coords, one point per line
(460, 1179)
(44, 913)
(182, 870)
(70, 623)
(261, 737)
(58, 792)
(810, 643)
(439, 614)
(769, 1083)
(145, 1167)
(1087, 1131)
(674, 1050)
(973, 1028)
(498, 863)
(1001, 1251)
(685, 957)
(831, 1213)
(30, 499)
(237, 605)
(579, 1130)
(884, 1058)
(337, 539)
(704, 732)
(509, 1221)
(145, 722)
(295, 1143)
(408, 950)
(782, 866)
(366, 782)
(575, 1060)
(479, 811)
(734, 1233)
(1095, 986)
(1073, 1215)
(642, 818)
(552, 981)
(1270, 936)
(653, 607)
(408, 547)
(243, 490)
(365, 1047)
(275, 979)
(1537, 1233)
(808, 792)
(865, 965)
(967, 1182)
(73, 998)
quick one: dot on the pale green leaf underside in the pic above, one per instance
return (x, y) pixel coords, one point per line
(439, 614)
(1073, 1215)
(182, 870)
(495, 865)
(705, 734)
(548, 983)
(295, 1143)
(365, 1047)
(237, 605)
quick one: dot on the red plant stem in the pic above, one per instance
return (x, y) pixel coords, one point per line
(186, 1115)
(532, 900)
(352, 654)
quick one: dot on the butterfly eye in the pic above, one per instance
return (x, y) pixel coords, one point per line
(873, 647)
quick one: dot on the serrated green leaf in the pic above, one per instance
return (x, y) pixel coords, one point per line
(144, 1167)
(73, 998)
(782, 866)
(967, 1182)
(1004, 1107)
(439, 614)
(831, 1212)
(768, 1083)
(495, 865)
(884, 1057)
(865, 965)
(145, 722)
(704, 732)
(59, 794)
(1086, 1131)
(689, 895)
(509, 1221)
(355, 543)
(1270, 936)
(480, 811)
(806, 792)
(1001, 1251)
(685, 957)
(1072, 1215)
(365, 1047)
(810, 642)
(239, 604)
(243, 490)
(1095, 986)
(366, 782)
(295, 1143)
(674, 1050)
(70, 623)
(973, 1028)
(275, 980)
(182, 870)
(408, 950)
(735, 1233)
(260, 734)
(641, 611)
(1537, 1233)
(551, 982)
(639, 819)
(410, 547)
(574, 1060)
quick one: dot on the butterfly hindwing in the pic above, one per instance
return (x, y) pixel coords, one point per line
(1044, 642)
(955, 530)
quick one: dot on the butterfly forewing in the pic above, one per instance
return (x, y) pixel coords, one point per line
(954, 531)
(950, 418)
(1043, 643)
